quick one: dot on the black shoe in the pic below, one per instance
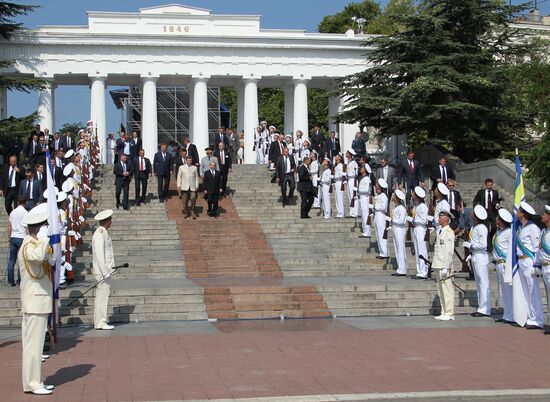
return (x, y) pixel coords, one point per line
(533, 327)
(419, 277)
(396, 274)
(138, 204)
(379, 257)
(12, 284)
(117, 206)
(478, 314)
(126, 208)
(161, 200)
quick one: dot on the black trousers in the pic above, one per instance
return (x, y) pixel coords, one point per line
(288, 181)
(10, 199)
(223, 182)
(212, 200)
(307, 202)
(141, 184)
(122, 186)
(163, 184)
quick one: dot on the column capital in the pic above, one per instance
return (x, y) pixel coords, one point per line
(251, 77)
(300, 78)
(149, 77)
(200, 77)
(97, 77)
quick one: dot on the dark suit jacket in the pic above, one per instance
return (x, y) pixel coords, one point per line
(281, 168)
(390, 176)
(304, 179)
(4, 179)
(227, 162)
(329, 151)
(63, 143)
(178, 161)
(217, 140)
(135, 146)
(161, 167)
(457, 198)
(120, 145)
(33, 150)
(193, 153)
(316, 140)
(118, 171)
(58, 177)
(437, 174)
(275, 151)
(359, 146)
(148, 169)
(480, 199)
(411, 179)
(37, 190)
(44, 180)
(211, 184)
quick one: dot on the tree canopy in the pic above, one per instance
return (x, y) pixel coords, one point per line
(342, 21)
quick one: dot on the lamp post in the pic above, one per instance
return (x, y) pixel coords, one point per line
(360, 22)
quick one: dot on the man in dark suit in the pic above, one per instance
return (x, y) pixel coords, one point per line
(123, 176)
(40, 172)
(221, 137)
(332, 146)
(442, 173)
(142, 171)
(137, 144)
(275, 150)
(489, 199)
(180, 159)
(56, 142)
(305, 187)
(212, 188)
(57, 174)
(410, 174)
(48, 139)
(33, 150)
(386, 172)
(32, 189)
(67, 142)
(191, 151)
(36, 132)
(10, 182)
(454, 198)
(162, 165)
(285, 169)
(224, 159)
(316, 140)
(126, 146)
(358, 144)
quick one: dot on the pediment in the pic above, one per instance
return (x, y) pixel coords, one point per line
(174, 9)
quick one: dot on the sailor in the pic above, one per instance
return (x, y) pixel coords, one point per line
(339, 180)
(314, 171)
(103, 263)
(442, 263)
(543, 256)
(419, 222)
(441, 192)
(352, 172)
(35, 258)
(501, 242)
(363, 190)
(326, 182)
(380, 214)
(528, 243)
(399, 229)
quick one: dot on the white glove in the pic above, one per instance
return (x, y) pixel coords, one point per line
(371, 206)
(409, 219)
(81, 219)
(430, 218)
(444, 272)
(388, 218)
(534, 272)
(389, 228)
(466, 244)
(68, 266)
(468, 258)
(71, 233)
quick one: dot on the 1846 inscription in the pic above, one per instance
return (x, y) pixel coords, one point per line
(175, 28)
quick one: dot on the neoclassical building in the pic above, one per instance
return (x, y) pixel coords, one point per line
(181, 46)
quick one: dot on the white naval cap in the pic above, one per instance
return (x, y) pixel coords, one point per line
(527, 208)
(67, 186)
(68, 154)
(106, 213)
(327, 159)
(61, 196)
(67, 170)
(400, 194)
(368, 168)
(36, 215)
(442, 188)
(46, 192)
(480, 212)
(419, 191)
(382, 183)
(351, 151)
(547, 209)
(263, 122)
(446, 211)
(505, 215)
(272, 127)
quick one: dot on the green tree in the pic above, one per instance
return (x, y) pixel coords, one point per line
(443, 78)
(14, 131)
(342, 21)
(386, 23)
(72, 127)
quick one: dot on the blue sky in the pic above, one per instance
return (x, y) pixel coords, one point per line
(73, 102)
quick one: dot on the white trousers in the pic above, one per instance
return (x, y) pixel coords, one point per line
(506, 294)
(100, 304)
(352, 210)
(364, 201)
(399, 235)
(339, 197)
(546, 278)
(110, 156)
(446, 292)
(33, 329)
(316, 200)
(261, 156)
(480, 261)
(531, 290)
(325, 188)
(420, 249)
(380, 224)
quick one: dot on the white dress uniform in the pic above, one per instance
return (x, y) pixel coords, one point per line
(442, 263)
(299, 152)
(338, 193)
(363, 194)
(528, 244)
(103, 263)
(326, 179)
(111, 148)
(352, 175)
(420, 224)
(399, 229)
(501, 242)
(480, 262)
(314, 171)
(36, 304)
(262, 147)
(442, 204)
(380, 208)
(543, 260)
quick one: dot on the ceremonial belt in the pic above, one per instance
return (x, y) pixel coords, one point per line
(351, 176)
(419, 225)
(523, 257)
(526, 252)
(545, 246)
(339, 179)
(479, 251)
(500, 261)
(398, 225)
(363, 193)
(380, 210)
(327, 183)
(545, 263)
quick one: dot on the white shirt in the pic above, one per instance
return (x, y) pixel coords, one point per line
(443, 170)
(421, 214)
(478, 238)
(385, 173)
(12, 169)
(126, 148)
(381, 203)
(287, 164)
(399, 215)
(18, 230)
(487, 192)
(529, 236)
(544, 256)
(502, 241)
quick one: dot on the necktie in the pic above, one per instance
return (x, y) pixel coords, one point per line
(69, 142)
(142, 168)
(212, 171)
(123, 167)
(444, 174)
(286, 164)
(222, 158)
(28, 189)
(411, 167)
(280, 147)
(163, 156)
(12, 173)
(489, 200)
(451, 200)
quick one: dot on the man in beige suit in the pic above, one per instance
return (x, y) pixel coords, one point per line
(188, 183)
(104, 261)
(443, 264)
(36, 301)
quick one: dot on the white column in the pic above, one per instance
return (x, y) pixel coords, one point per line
(334, 103)
(200, 113)
(3, 103)
(191, 131)
(46, 107)
(289, 110)
(240, 107)
(250, 117)
(149, 127)
(97, 113)
(300, 106)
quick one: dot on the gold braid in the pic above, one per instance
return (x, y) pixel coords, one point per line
(45, 266)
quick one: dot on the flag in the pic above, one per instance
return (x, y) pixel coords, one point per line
(54, 227)
(511, 273)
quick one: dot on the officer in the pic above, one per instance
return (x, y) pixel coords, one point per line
(352, 173)
(442, 263)
(104, 261)
(363, 193)
(420, 225)
(326, 183)
(399, 228)
(501, 242)
(441, 192)
(380, 214)
(34, 258)
(543, 256)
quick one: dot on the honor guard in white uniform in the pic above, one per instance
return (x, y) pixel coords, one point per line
(363, 194)
(34, 258)
(262, 145)
(104, 261)
(501, 243)
(352, 173)
(543, 256)
(314, 171)
(380, 215)
(441, 193)
(299, 149)
(326, 182)
(442, 264)
(399, 229)
(339, 180)
(528, 243)
(419, 222)
(477, 243)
